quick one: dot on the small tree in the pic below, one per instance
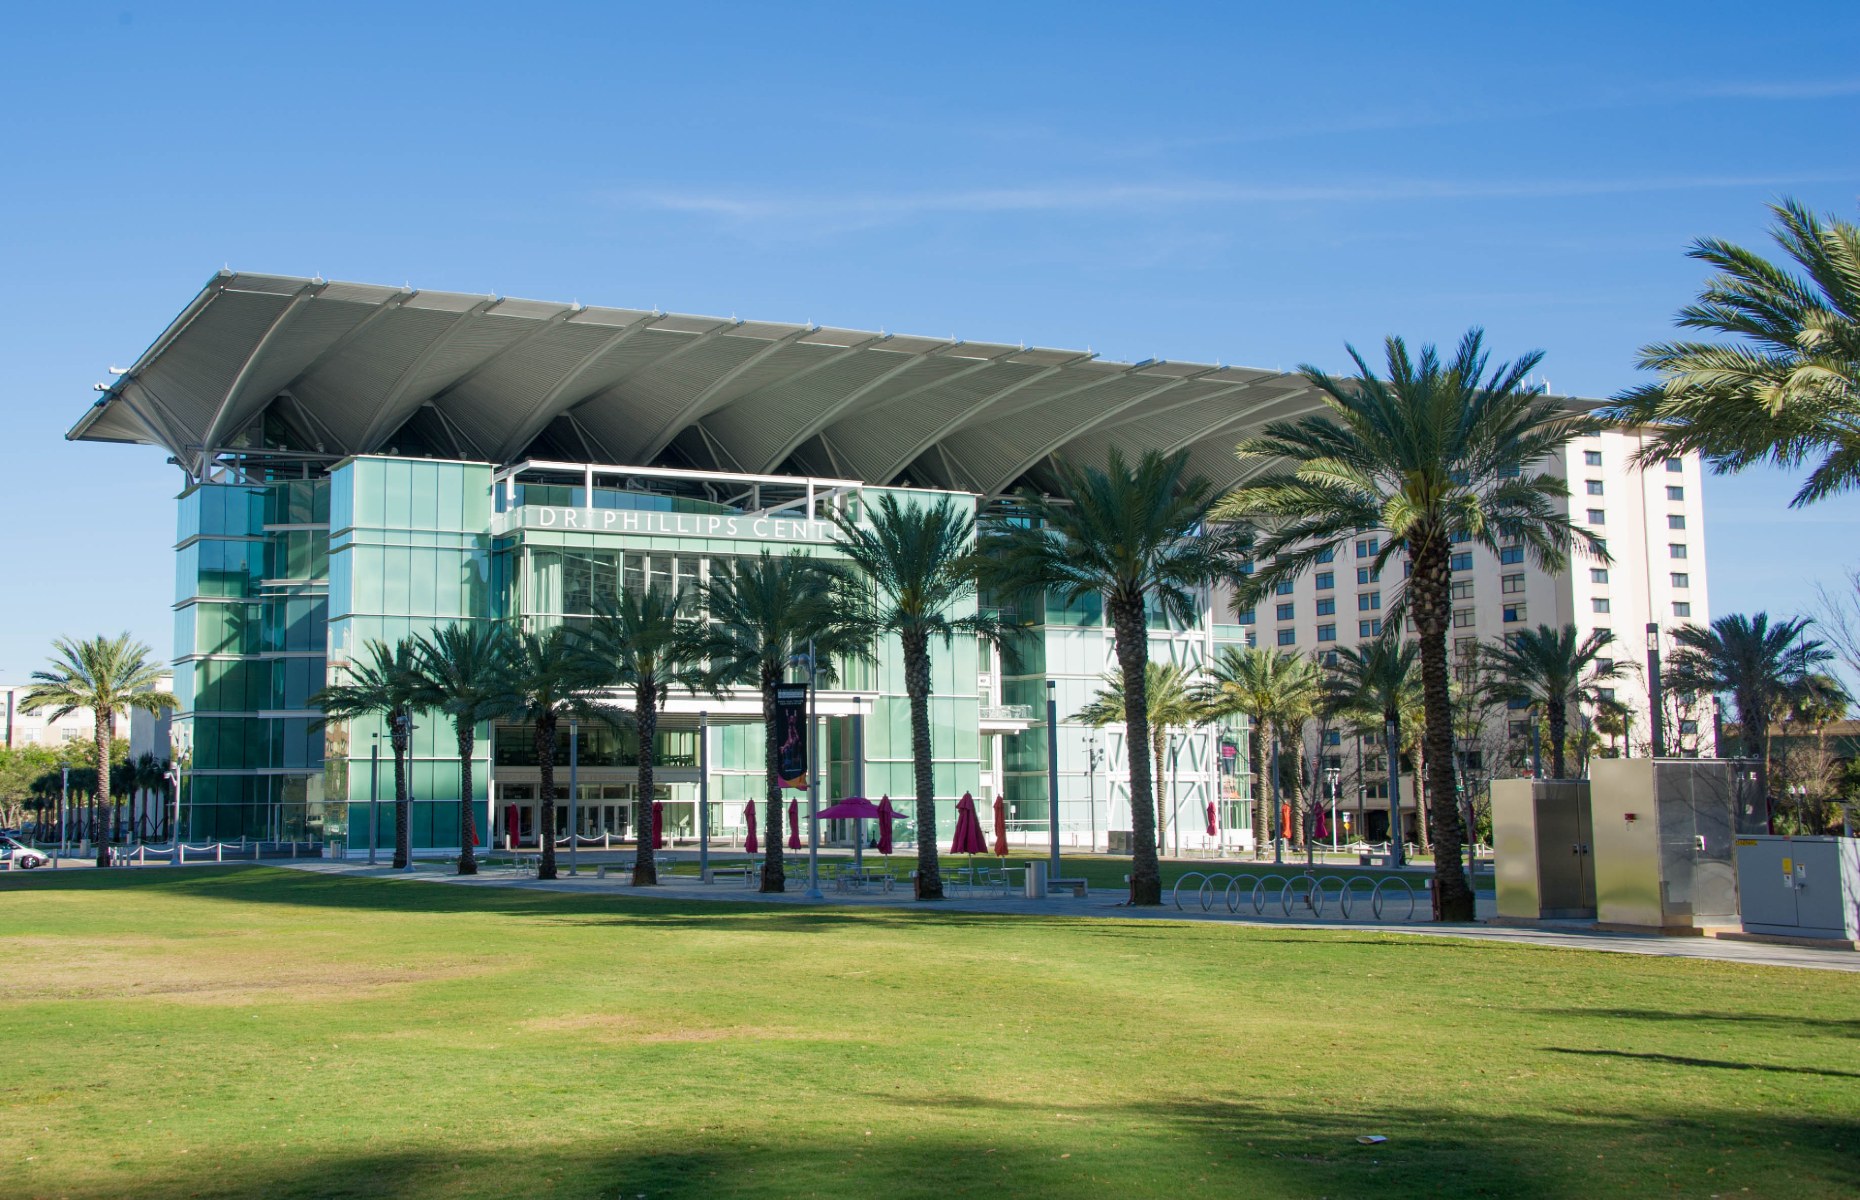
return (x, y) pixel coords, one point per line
(552, 676)
(1272, 689)
(1552, 668)
(1760, 665)
(465, 673)
(107, 676)
(385, 682)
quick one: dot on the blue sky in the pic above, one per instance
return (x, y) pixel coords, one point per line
(1188, 182)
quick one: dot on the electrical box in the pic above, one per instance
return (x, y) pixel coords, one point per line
(1543, 840)
(1664, 829)
(1807, 887)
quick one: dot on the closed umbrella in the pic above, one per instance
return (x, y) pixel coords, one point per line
(1000, 827)
(658, 825)
(886, 815)
(969, 839)
(794, 824)
(750, 845)
(512, 825)
(1214, 829)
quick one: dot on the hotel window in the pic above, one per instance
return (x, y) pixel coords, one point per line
(1286, 612)
(1676, 550)
(1368, 547)
(1288, 637)
(1462, 589)
(1675, 466)
(1682, 608)
(1510, 555)
(1333, 737)
(1675, 493)
(1510, 585)
(1326, 579)
(1514, 612)
(1460, 562)
(1510, 471)
(1595, 487)
(1366, 575)
(1681, 579)
(1459, 537)
(1598, 574)
(1327, 633)
(1462, 618)
(1369, 628)
(1245, 618)
(1327, 554)
(1675, 521)
(1591, 458)
(1597, 516)
(1326, 605)
(1688, 728)
(1328, 658)
(1607, 694)
(1283, 587)
(1599, 604)
(1604, 665)
(1465, 647)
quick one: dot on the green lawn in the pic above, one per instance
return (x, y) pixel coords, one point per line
(256, 1032)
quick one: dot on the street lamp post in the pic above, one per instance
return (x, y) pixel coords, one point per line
(1091, 791)
(374, 795)
(703, 757)
(1398, 851)
(813, 768)
(1655, 700)
(574, 795)
(1052, 774)
(1333, 778)
(1276, 818)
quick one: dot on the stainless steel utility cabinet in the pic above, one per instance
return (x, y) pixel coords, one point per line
(1541, 834)
(1663, 834)
(1807, 887)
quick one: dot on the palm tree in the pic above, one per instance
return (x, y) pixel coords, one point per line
(1785, 385)
(1438, 454)
(1272, 689)
(639, 641)
(552, 676)
(920, 561)
(1761, 666)
(1376, 687)
(385, 682)
(107, 676)
(762, 612)
(1139, 537)
(1176, 702)
(1552, 669)
(464, 672)
(152, 781)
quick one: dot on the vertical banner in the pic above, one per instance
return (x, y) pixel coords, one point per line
(791, 734)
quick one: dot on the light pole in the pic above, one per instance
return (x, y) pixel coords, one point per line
(1052, 772)
(374, 794)
(407, 727)
(806, 661)
(703, 757)
(1277, 816)
(1655, 700)
(574, 795)
(1091, 790)
(1398, 850)
(1175, 788)
(1333, 778)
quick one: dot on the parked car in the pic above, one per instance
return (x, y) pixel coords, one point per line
(17, 854)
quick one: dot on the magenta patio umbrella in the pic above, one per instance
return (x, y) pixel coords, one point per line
(852, 808)
(969, 839)
(750, 845)
(886, 815)
(794, 824)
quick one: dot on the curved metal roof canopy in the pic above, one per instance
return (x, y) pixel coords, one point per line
(274, 364)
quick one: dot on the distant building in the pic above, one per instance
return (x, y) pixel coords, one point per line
(41, 729)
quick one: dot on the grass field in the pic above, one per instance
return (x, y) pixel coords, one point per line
(256, 1032)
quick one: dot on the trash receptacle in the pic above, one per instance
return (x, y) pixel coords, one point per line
(1036, 880)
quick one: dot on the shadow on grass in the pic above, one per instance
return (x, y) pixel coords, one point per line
(1680, 1060)
(1177, 1149)
(1791, 1023)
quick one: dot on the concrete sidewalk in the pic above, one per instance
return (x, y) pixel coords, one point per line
(1104, 904)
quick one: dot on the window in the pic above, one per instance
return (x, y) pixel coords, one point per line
(1682, 608)
(1675, 493)
(1327, 633)
(1688, 728)
(1599, 604)
(1282, 588)
(1333, 737)
(1597, 516)
(1245, 618)
(1369, 628)
(1607, 694)
(1604, 665)
(1675, 521)
(1681, 579)
(1514, 612)
(1509, 471)
(1285, 611)
(1366, 575)
(1246, 568)
(1459, 537)
(1462, 589)
(1460, 562)
(1462, 618)
(1676, 550)
(1368, 547)
(1510, 585)
(1595, 487)
(1288, 637)
(1511, 555)
(1465, 647)
(1675, 466)
(1368, 601)
(1327, 554)
(1591, 458)
(1328, 658)
(1520, 729)
(1598, 574)
(1326, 605)
(1517, 702)
(1326, 579)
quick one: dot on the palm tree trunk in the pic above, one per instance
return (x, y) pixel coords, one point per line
(468, 825)
(917, 688)
(544, 741)
(773, 879)
(1559, 731)
(403, 805)
(1133, 655)
(1159, 737)
(1423, 805)
(101, 798)
(646, 715)
(1430, 589)
(1297, 776)
(1256, 767)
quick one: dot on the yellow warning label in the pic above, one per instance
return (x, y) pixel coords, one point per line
(1746, 841)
